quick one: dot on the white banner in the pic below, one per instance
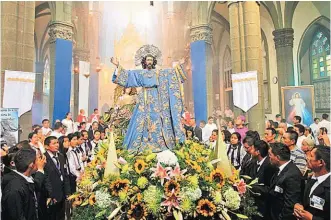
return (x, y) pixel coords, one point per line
(18, 90)
(84, 85)
(245, 90)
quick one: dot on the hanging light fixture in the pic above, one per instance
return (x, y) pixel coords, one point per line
(98, 69)
(87, 75)
(76, 70)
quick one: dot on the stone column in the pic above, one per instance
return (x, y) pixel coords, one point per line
(37, 105)
(202, 62)
(80, 54)
(17, 46)
(94, 25)
(60, 33)
(284, 51)
(246, 54)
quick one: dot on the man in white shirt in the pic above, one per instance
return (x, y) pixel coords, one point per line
(58, 127)
(95, 143)
(314, 127)
(325, 123)
(300, 129)
(208, 129)
(45, 128)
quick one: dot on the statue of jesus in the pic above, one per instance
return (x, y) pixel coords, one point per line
(156, 119)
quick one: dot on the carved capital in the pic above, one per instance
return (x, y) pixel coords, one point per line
(81, 54)
(283, 37)
(61, 30)
(202, 32)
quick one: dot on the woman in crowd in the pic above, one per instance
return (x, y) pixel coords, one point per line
(231, 127)
(323, 138)
(235, 150)
(309, 133)
(307, 146)
(226, 136)
(69, 124)
(269, 124)
(189, 133)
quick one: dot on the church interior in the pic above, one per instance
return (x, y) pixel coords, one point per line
(288, 43)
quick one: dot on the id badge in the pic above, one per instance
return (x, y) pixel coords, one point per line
(317, 202)
(279, 189)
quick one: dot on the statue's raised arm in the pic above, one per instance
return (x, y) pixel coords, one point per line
(126, 78)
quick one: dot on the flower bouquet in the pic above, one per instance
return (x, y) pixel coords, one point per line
(178, 184)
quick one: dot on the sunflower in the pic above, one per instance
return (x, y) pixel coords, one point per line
(234, 178)
(93, 163)
(77, 202)
(139, 166)
(217, 176)
(206, 208)
(137, 211)
(171, 186)
(119, 185)
(91, 200)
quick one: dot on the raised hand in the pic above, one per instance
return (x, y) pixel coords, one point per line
(114, 61)
(41, 162)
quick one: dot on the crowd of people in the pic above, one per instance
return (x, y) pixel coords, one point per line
(291, 162)
(40, 173)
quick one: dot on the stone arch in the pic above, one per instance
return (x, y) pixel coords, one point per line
(270, 7)
(289, 12)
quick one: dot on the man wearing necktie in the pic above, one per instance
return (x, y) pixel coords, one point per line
(262, 170)
(57, 181)
(316, 196)
(285, 186)
(19, 199)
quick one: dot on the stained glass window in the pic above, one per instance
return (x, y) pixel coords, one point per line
(320, 55)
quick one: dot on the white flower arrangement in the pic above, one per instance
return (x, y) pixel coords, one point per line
(102, 199)
(167, 157)
(232, 199)
(193, 194)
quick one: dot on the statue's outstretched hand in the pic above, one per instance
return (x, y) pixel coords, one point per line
(114, 61)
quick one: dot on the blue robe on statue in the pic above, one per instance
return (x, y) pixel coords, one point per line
(156, 120)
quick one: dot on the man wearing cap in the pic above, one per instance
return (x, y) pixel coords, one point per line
(240, 127)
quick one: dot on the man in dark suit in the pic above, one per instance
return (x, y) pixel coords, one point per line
(316, 196)
(57, 181)
(196, 129)
(248, 161)
(19, 199)
(262, 170)
(285, 185)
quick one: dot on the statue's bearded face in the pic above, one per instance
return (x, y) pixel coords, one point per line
(149, 62)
